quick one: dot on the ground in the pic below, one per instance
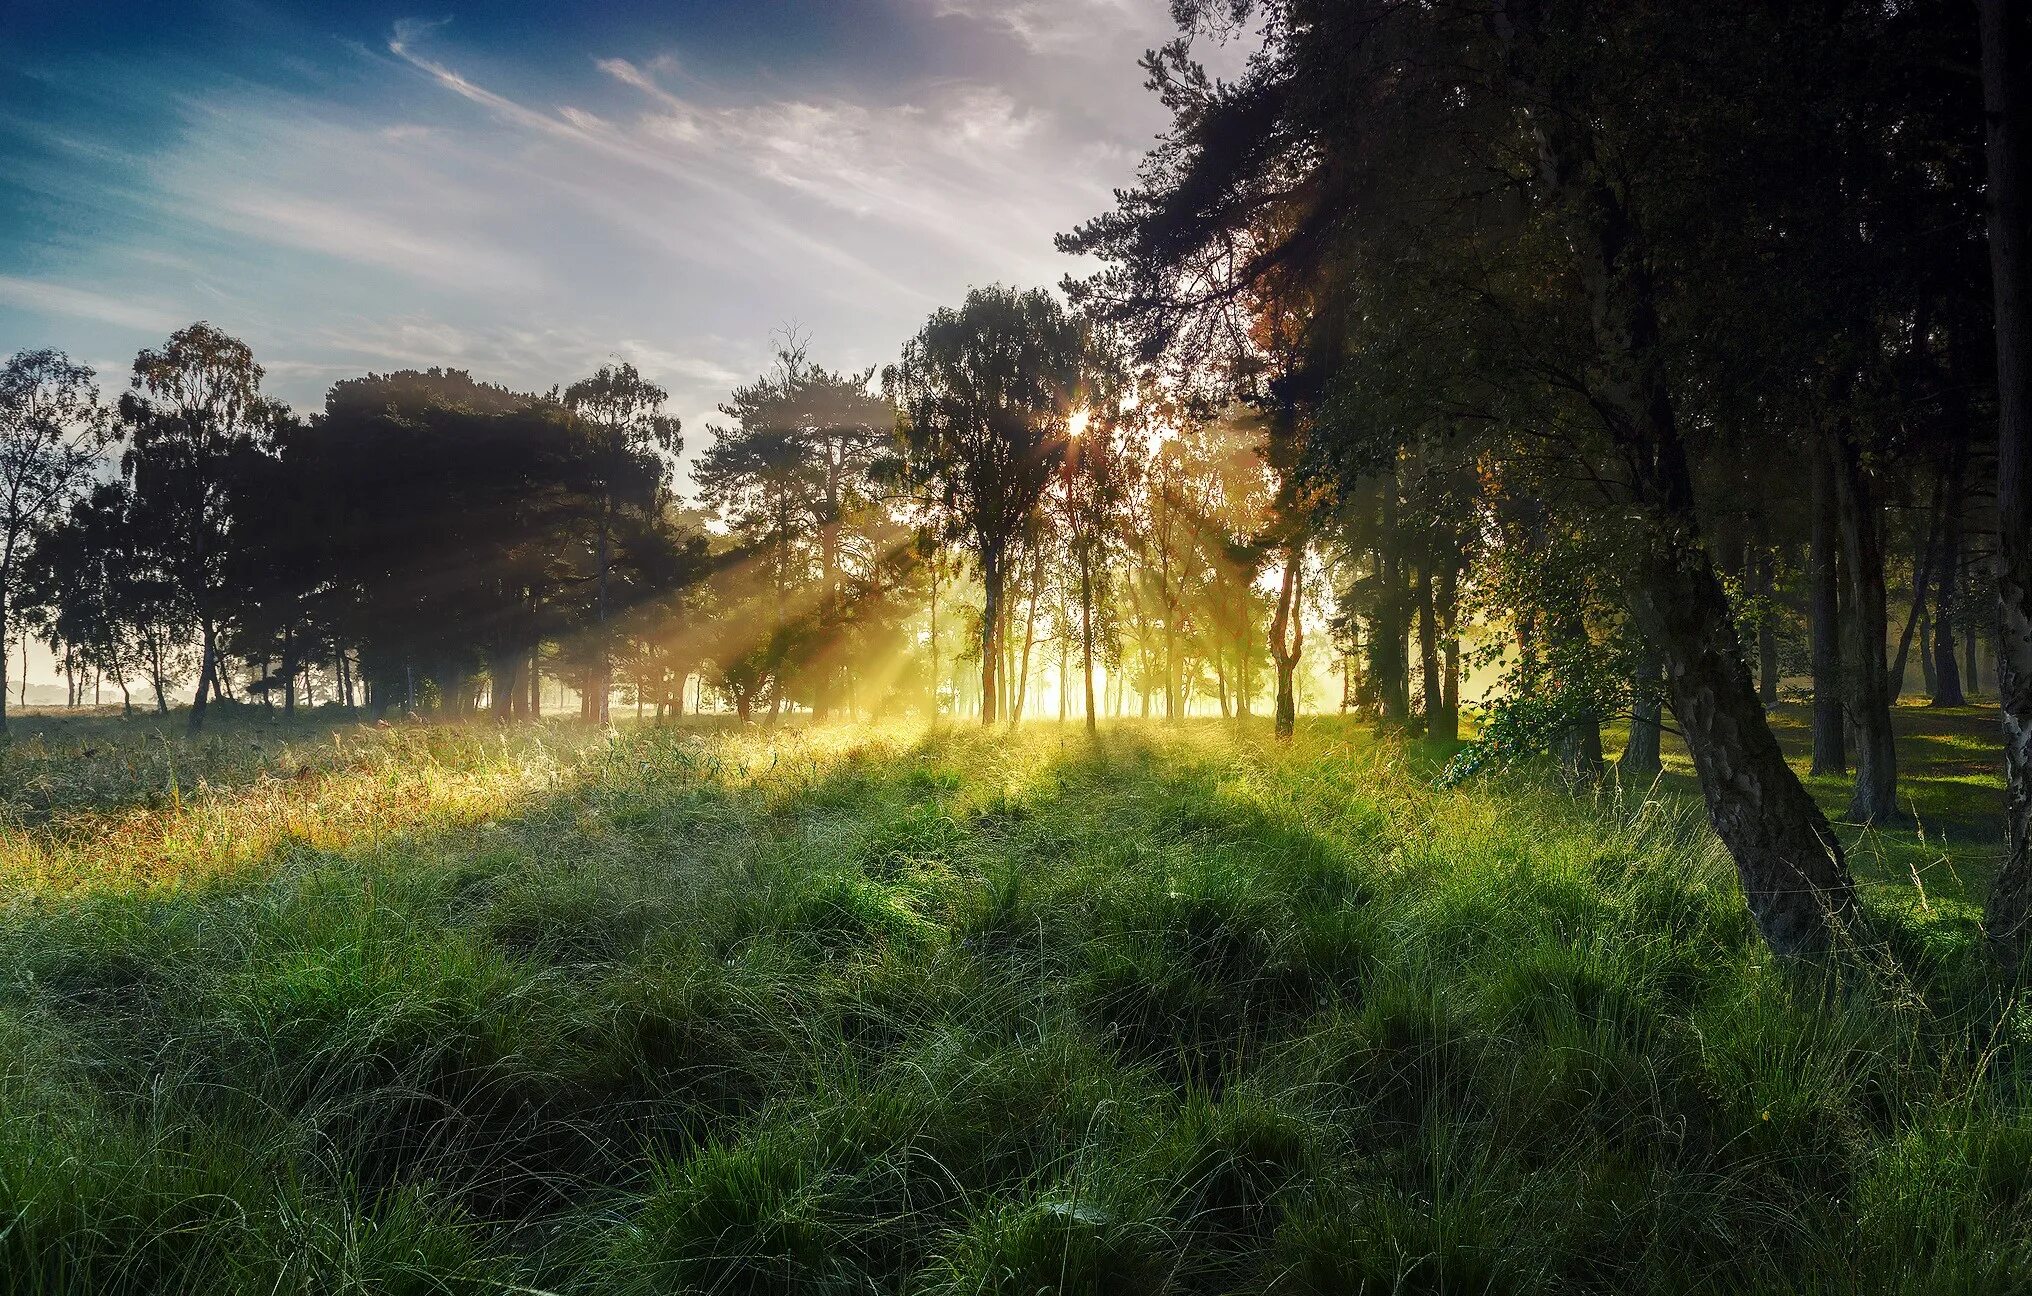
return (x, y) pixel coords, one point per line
(328, 1007)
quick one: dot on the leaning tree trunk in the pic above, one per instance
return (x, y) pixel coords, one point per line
(1865, 674)
(1794, 874)
(1792, 867)
(2007, 103)
(1830, 748)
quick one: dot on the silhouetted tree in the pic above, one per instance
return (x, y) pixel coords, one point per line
(632, 441)
(194, 413)
(52, 431)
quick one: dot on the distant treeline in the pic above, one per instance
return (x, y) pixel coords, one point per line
(431, 543)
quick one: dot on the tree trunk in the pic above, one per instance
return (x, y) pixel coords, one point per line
(1446, 596)
(1764, 569)
(1578, 748)
(1087, 635)
(991, 647)
(1865, 675)
(1830, 752)
(1916, 622)
(1947, 690)
(1287, 638)
(504, 670)
(2007, 104)
(824, 691)
(1929, 678)
(1640, 762)
(3, 658)
(289, 672)
(931, 703)
(1431, 690)
(156, 680)
(1793, 872)
(1029, 637)
(206, 674)
(602, 682)
(1171, 689)
(1064, 676)
(1390, 629)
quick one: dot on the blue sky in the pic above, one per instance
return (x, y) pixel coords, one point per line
(526, 189)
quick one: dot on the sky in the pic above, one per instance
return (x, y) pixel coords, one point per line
(529, 189)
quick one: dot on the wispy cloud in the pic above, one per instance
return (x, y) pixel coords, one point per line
(87, 304)
(364, 237)
(1056, 27)
(422, 203)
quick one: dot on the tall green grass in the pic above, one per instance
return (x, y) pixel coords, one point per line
(850, 1011)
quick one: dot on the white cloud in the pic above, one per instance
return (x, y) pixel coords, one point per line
(84, 303)
(352, 233)
(648, 210)
(1055, 27)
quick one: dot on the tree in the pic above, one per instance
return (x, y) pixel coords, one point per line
(52, 431)
(1287, 634)
(194, 412)
(633, 440)
(1094, 481)
(1490, 168)
(987, 394)
(100, 586)
(790, 473)
(2007, 106)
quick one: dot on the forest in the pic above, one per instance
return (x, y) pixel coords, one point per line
(1450, 712)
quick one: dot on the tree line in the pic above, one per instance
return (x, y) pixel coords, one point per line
(933, 539)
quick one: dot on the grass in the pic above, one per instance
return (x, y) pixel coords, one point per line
(1950, 790)
(332, 1008)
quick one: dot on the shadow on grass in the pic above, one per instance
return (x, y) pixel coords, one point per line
(1171, 1010)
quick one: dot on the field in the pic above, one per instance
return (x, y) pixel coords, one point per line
(335, 1008)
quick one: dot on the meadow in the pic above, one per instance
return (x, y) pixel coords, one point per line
(329, 1007)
